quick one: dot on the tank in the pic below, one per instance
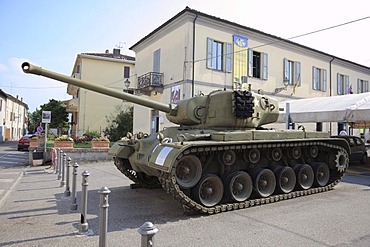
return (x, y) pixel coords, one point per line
(219, 157)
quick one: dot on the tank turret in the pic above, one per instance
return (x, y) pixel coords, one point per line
(219, 157)
(219, 109)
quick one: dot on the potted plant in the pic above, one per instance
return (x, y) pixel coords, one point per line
(100, 143)
(34, 142)
(63, 142)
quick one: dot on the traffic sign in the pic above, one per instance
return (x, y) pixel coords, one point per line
(40, 129)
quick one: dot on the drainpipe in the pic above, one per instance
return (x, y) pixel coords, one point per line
(193, 72)
(330, 86)
(330, 75)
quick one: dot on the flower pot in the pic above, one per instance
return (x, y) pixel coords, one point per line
(100, 144)
(63, 144)
(34, 143)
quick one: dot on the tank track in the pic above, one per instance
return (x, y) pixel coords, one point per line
(169, 183)
(139, 182)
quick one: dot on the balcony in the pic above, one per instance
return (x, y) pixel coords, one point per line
(72, 105)
(149, 82)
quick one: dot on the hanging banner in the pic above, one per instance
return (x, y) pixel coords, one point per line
(240, 63)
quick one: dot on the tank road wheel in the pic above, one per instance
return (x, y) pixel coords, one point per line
(285, 179)
(252, 156)
(276, 154)
(239, 186)
(264, 182)
(209, 190)
(305, 176)
(341, 161)
(322, 174)
(296, 153)
(313, 151)
(188, 171)
(227, 157)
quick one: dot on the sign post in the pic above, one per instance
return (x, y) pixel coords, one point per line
(46, 119)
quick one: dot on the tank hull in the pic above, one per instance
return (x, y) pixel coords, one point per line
(212, 171)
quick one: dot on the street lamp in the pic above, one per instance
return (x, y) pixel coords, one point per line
(127, 83)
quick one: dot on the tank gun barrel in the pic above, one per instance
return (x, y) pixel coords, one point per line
(32, 69)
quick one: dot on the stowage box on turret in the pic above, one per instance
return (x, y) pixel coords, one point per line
(219, 157)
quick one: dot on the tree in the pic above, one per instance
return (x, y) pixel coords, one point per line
(59, 116)
(119, 124)
(34, 120)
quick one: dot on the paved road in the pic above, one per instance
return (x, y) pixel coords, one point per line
(36, 213)
(12, 164)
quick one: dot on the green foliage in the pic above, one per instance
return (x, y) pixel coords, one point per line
(119, 124)
(59, 116)
(34, 120)
(89, 135)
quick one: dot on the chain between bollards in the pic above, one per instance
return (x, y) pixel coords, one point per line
(147, 231)
(103, 216)
(67, 191)
(63, 181)
(73, 202)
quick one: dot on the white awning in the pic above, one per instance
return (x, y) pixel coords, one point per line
(351, 108)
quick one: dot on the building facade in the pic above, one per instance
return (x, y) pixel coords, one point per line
(194, 53)
(13, 113)
(90, 110)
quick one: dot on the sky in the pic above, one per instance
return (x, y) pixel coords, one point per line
(51, 34)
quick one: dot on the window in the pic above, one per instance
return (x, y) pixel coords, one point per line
(1, 104)
(157, 61)
(219, 55)
(342, 84)
(319, 79)
(292, 72)
(126, 72)
(257, 64)
(362, 86)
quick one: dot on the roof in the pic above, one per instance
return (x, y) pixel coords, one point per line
(111, 55)
(15, 99)
(197, 13)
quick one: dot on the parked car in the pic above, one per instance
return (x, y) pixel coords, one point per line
(24, 142)
(358, 149)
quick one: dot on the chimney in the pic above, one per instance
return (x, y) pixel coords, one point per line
(116, 52)
(106, 51)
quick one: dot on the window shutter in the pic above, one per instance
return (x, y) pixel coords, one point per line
(250, 62)
(265, 66)
(347, 85)
(324, 79)
(157, 61)
(286, 78)
(339, 84)
(314, 83)
(209, 53)
(298, 73)
(229, 57)
(366, 86)
(359, 86)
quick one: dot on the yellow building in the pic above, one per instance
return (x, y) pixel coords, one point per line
(89, 109)
(195, 53)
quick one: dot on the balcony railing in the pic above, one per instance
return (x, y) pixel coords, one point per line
(152, 81)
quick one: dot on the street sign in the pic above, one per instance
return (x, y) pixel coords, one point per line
(40, 129)
(46, 116)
